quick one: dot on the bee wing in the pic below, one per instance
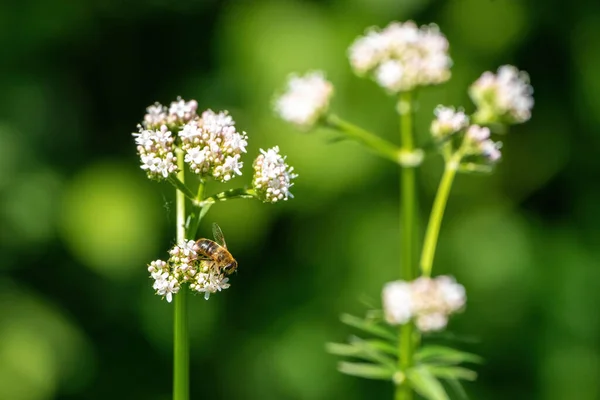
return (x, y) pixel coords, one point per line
(218, 234)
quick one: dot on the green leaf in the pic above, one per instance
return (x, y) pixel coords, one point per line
(458, 388)
(374, 354)
(384, 347)
(343, 349)
(426, 384)
(368, 327)
(444, 372)
(445, 355)
(365, 370)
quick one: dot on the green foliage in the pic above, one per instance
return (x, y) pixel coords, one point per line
(436, 368)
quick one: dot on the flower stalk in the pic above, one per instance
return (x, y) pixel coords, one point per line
(437, 213)
(407, 216)
(181, 363)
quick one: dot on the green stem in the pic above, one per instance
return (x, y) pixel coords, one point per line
(437, 213)
(407, 215)
(381, 146)
(180, 322)
(239, 193)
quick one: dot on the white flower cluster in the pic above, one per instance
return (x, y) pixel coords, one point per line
(448, 121)
(305, 100)
(156, 150)
(272, 176)
(212, 145)
(402, 56)
(184, 266)
(503, 97)
(427, 301)
(478, 143)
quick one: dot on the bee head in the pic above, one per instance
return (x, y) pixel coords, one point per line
(229, 268)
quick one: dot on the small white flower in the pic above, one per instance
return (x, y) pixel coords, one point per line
(305, 100)
(210, 282)
(453, 293)
(182, 110)
(397, 302)
(448, 121)
(156, 115)
(478, 133)
(272, 176)
(506, 96)
(389, 75)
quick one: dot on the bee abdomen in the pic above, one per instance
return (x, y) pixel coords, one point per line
(206, 247)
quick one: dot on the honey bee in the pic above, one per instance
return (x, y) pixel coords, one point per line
(216, 251)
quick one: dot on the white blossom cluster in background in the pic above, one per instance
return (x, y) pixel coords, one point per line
(272, 176)
(212, 145)
(305, 100)
(479, 144)
(427, 301)
(402, 56)
(503, 97)
(184, 266)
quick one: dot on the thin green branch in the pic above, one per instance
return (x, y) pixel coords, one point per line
(381, 146)
(238, 193)
(437, 213)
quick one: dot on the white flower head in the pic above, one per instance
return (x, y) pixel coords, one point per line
(272, 176)
(212, 146)
(427, 301)
(156, 150)
(505, 96)
(402, 56)
(397, 302)
(305, 100)
(448, 121)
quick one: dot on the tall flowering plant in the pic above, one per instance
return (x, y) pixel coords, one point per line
(402, 58)
(178, 145)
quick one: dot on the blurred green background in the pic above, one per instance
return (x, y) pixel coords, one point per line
(79, 220)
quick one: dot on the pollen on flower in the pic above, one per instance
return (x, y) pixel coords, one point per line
(156, 150)
(427, 301)
(505, 96)
(305, 100)
(402, 56)
(448, 121)
(272, 176)
(213, 147)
